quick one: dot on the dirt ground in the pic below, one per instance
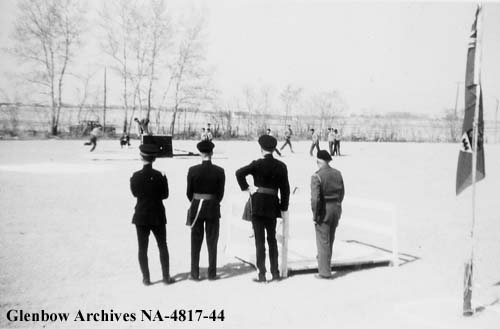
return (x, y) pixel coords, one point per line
(67, 242)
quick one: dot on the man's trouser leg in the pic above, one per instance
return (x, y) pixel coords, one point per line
(287, 142)
(143, 240)
(270, 225)
(317, 146)
(260, 246)
(212, 231)
(160, 233)
(323, 244)
(312, 148)
(93, 141)
(330, 147)
(284, 144)
(196, 242)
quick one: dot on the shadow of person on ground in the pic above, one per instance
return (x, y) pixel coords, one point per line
(225, 272)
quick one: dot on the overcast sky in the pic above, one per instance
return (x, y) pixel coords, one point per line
(391, 56)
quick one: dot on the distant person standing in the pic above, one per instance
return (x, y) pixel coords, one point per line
(336, 150)
(331, 140)
(327, 194)
(94, 134)
(314, 141)
(205, 190)
(268, 132)
(125, 140)
(288, 138)
(210, 137)
(203, 136)
(270, 176)
(150, 187)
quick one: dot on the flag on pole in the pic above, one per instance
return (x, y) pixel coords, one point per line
(473, 103)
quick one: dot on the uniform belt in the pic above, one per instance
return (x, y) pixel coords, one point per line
(331, 198)
(202, 196)
(267, 190)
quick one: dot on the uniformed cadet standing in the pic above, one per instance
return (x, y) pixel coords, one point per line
(327, 193)
(288, 139)
(269, 176)
(150, 187)
(314, 141)
(205, 190)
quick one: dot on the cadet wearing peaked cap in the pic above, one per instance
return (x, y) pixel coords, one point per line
(150, 187)
(149, 150)
(205, 146)
(205, 190)
(268, 142)
(327, 194)
(270, 176)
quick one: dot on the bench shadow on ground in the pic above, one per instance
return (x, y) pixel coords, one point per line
(225, 272)
(343, 270)
(339, 271)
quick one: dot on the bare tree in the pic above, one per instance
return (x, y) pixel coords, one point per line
(47, 35)
(137, 34)
(452, 122)
(327, 106)
(189, 80)
(159, 34)
(116, 18)
(250, 101)
(290, 97)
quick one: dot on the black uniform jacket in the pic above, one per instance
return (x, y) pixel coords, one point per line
(205, 178)
(150, 187)
(271, 173)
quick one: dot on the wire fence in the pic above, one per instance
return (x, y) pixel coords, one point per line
(75, 121)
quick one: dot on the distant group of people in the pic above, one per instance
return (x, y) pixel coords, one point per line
(268, 200)
(333, 141)
(333, 137)
(206, 134)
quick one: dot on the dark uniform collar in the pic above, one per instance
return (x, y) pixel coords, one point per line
(148, 166)
(206, 162)
(268, 156)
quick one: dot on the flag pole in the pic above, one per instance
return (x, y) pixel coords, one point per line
(468, 310)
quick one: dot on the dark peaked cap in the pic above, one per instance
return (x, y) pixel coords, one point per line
(267, 142)
(149, 150)
(205, 146)
(324, 155)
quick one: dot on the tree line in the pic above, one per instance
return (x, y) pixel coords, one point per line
(159, 57)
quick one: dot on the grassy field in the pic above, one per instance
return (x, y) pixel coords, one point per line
(67, 242)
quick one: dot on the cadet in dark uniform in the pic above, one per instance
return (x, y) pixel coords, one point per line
(205, 190)
(327, 193)
(270, 176)
(150, 187)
